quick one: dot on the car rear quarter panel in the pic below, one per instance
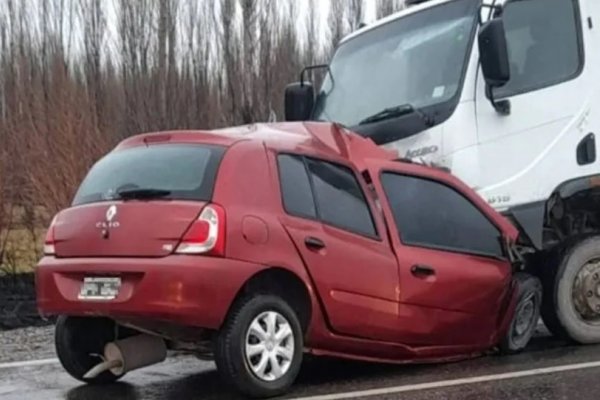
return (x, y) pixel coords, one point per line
(248, 189)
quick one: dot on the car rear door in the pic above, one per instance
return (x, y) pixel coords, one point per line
(454, 279)
(343, 244)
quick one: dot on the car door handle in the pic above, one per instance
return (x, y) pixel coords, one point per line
(314, 243)
(422, 270)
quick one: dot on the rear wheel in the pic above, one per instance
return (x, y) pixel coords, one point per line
(527, 314)
(79, 343)
(572, 302)
(259, 349)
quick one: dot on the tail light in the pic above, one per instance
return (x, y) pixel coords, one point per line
(49, 241)
(206, 235)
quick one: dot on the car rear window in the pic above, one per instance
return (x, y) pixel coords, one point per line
(188, 172)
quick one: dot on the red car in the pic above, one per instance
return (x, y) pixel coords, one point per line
(253, 245)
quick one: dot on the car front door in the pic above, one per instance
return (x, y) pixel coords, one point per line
(454, 278)
(343, 245)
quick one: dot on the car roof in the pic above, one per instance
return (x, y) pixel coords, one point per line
(312, 138)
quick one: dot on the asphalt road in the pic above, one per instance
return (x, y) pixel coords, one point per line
(549, 370)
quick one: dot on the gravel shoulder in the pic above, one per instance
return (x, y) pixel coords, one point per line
(27, 344)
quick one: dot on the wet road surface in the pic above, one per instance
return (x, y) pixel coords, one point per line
(549, 370)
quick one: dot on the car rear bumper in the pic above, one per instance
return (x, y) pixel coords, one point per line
(186, 290)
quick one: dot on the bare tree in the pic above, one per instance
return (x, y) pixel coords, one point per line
(250, 10)
(230, 58)
(355, 14)
(94, 32)
(388, 7)
(337, 21)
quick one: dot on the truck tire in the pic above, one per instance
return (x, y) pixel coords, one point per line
(527, 314)
(79, 341)
(259, 348)
(571, 308)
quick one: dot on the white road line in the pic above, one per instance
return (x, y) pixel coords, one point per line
(32, 363)
(393, 389)
(453, 382)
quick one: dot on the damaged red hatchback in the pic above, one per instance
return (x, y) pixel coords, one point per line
(254, 245)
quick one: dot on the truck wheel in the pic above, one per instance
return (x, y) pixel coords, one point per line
(79, 342)
(527, 314)
(259, 348)
(571, 306)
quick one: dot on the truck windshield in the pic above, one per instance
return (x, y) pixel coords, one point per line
(418, 60)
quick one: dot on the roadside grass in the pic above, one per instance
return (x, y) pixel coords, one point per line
(22, 232)
(23, 250)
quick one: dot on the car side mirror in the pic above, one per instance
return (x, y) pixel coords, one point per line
(299, 101)
(495, 64)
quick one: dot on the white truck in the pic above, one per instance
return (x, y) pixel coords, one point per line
(503, 94)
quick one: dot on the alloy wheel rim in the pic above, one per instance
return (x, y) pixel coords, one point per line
(269, 346)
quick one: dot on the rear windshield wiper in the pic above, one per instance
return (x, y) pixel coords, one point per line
(395, 112)
(142, 193)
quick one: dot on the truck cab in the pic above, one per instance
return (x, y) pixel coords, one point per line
(428, 65)
(501, 93)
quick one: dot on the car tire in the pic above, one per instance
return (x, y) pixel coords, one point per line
(562, 306)
(527, 314)
(79, 341)
(264, 373)
(548, 272)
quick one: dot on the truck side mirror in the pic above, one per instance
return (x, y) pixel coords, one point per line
(495, 64)
(493, 53)
(299, 101)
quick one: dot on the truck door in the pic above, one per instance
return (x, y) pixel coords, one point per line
(453, 275)
(549, 95)
(343, 245)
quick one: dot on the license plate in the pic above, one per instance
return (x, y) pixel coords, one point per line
(97, 288)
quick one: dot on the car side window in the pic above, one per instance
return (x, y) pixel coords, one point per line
(544, 45)
(295, 186)
(430, 214)
(340, 198)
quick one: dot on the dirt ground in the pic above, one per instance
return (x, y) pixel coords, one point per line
(18, 307)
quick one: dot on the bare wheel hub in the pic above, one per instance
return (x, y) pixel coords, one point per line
(586, 292)
(525, 315)
(269, 347)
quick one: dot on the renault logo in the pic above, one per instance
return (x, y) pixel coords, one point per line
(109, 223)
(111, 213)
